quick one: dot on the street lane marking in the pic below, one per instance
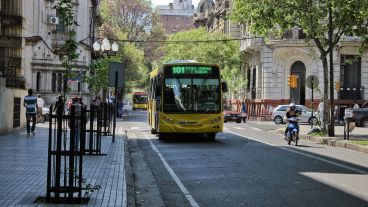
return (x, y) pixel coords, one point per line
(306, 155)
(240, 128)
(183, 189)
(133, 128)
(255, 128)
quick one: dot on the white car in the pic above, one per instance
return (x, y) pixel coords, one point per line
(306, 114)
(46, 113)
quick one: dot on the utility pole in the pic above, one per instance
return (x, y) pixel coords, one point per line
(331, 128)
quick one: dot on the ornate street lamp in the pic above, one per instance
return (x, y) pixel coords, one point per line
(105, 47)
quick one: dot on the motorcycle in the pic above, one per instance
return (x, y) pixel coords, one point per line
(293, 131)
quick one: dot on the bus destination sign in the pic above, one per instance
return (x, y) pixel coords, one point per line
(191, 69)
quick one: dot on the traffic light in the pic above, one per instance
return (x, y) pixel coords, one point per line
(293, 81)
(337, 86)
(289, 80)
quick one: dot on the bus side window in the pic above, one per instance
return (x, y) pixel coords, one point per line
(157, 87)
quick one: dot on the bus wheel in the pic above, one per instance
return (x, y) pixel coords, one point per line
(211, 136)
(161, 136)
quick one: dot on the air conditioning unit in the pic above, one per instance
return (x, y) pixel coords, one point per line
(53, 20)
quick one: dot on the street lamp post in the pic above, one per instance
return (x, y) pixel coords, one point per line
(106, 47)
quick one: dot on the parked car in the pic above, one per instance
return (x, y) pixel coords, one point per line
(230, 114)
(360, 115)
(306, 114)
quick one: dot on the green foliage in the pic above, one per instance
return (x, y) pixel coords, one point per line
(223, 53)
(137, 74)
(273, 17)
(65, 10)
(133, 20)
(360, 142)
(98, 75)
(89, 188)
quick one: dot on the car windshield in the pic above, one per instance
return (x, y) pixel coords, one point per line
(229, 108)
(192, 95)
(305, 108)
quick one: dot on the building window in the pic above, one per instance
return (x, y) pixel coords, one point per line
(350, 77)
(253, 88)
(59, 82)
(248, 79)
(53, 82)
(38, 81)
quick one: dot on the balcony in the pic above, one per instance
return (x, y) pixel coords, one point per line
(250, 43)
(58, 39)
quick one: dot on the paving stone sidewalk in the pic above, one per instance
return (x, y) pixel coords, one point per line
(23, 169)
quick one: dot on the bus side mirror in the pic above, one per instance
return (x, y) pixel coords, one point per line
(224, 87)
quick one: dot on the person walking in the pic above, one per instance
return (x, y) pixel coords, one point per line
(77, 117)
(244, 112)
(59, 106)
(30, 103)
(40, 104)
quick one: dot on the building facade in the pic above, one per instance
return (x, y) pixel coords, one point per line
(212, 16)
(31, 36)
(267, 67)
(45, 35)
(176, 16)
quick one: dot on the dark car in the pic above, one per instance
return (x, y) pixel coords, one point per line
(360, 115)
(230, 114)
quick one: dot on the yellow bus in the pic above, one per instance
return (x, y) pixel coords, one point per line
(186, 97)
(140, 100)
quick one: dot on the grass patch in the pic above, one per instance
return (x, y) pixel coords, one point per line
(360, 142)
(318, 134)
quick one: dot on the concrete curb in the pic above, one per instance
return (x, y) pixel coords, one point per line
(332, 141)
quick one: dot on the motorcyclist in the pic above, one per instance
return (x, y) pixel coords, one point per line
(291, 112)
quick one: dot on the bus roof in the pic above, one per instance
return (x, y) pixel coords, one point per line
(157, 71)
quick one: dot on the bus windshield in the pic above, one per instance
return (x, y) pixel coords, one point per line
(140, 99)
(191, 95)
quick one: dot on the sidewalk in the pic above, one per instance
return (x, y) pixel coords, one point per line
(23, 169)
(358, 134)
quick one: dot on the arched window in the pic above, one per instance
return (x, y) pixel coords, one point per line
(53, 82)
(59, 82)
(38, 81)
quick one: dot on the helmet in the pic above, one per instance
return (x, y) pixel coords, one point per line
(292, 105)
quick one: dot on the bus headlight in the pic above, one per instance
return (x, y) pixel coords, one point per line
(168, 120)
(214, 121)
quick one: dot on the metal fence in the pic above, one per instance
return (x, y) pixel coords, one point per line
(65, 156)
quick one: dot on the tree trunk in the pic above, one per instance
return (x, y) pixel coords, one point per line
(326, 105)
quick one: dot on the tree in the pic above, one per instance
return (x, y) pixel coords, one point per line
(222, 52)
(133, 20)
(273, 17)
(133, 17)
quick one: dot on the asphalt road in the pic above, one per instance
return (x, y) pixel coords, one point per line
(247, 165)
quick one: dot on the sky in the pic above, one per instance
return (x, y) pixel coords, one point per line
(166, 2)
